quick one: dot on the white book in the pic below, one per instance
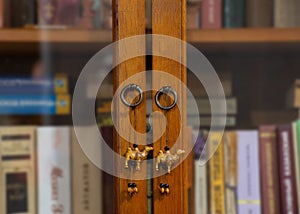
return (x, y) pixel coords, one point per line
(248, 186)
(200, 188)
(54, 181)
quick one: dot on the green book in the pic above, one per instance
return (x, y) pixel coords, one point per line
(297, 157)
(233, 13)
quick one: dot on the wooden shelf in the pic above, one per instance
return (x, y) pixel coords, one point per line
(12, 40)
(246, 35)
(55, 36)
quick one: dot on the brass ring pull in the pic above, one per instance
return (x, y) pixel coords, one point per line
(166, 90)
(131, 87)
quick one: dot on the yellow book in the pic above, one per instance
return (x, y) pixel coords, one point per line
(230, 166)
(216, 174)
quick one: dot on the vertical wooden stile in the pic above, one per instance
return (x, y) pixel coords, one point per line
(168, 18)
(129, 20)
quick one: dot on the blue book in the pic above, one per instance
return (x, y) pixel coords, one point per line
(33, 104)
(16, 85)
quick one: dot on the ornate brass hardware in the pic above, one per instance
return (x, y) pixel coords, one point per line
(132, 189)
(164, 188)
(167, 158)
(136, 155)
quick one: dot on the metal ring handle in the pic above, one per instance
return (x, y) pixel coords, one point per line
(131, 87)
(165, 90)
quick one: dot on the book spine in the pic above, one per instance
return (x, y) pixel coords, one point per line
(86, 182)
(200, 188)
(54, 181)
(2, 13)
(248, 188)
(63, 12)
(269, 170)
(11, 85)
(22, 12)
(107, 179)
(216, 175)
(35, 104)
(234, 13)
(193, 15)
(298, 151)
(287, 172)
(259, 13)
(17, 167)
(296, 159)
(230, 166)
(47, 11)
(211, 14)
(286, 13)
(68, 12)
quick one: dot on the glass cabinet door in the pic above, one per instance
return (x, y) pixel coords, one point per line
(245, 86)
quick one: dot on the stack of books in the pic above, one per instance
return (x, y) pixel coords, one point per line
(44, 170)
(251, 171)
(217, 14)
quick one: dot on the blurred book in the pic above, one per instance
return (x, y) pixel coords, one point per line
(287, 171)
(63, 12)
(231, 172)
(216, 174)
(268, 150)
(86, 181)
(33, 104)
(54, 170)
(17, 13)
(259, 13)
(211, 14)
(249, 199)
(200, 174)
(27, 85)
(293, 95)
(286, 13)
(193, 14)
(233, 13)
(18, 171)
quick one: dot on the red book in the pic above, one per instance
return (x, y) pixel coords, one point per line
(287, 172)
(211, 14)
(269, 169)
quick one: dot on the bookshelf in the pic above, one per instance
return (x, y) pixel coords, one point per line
(262, 64)
(230, 40)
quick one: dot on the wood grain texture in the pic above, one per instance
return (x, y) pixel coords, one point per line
(168, 18)
(66, 36)
(77, 41)
(131, 21)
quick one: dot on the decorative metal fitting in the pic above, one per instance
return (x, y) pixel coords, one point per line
(166, 90)
(136, 155)
(131, 87)
(132, 189)
(167, 159)
(164, 188)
